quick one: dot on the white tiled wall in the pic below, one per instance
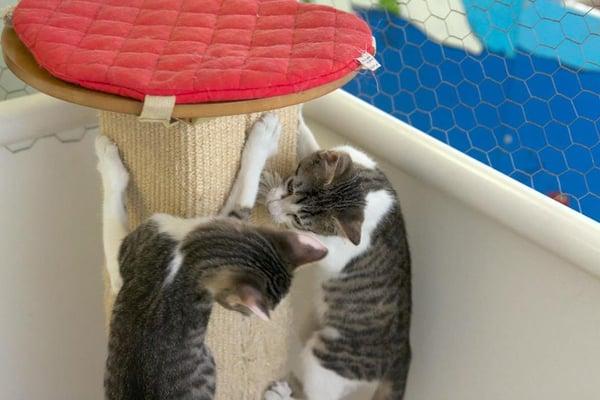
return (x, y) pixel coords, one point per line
(52, 335)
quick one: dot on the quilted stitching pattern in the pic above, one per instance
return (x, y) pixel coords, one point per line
(197, 50)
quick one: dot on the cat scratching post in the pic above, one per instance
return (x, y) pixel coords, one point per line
(205, 70)
(187, 170)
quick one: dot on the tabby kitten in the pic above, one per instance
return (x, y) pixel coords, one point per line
(170, 270)
(364, 304)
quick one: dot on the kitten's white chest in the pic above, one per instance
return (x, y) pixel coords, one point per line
(341, 251)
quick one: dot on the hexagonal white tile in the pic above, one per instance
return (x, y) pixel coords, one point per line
(436, 27)
(457, 24)
(418, 10)
(444, 21)
(439, 8)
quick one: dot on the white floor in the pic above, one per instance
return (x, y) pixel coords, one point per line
(495, 316)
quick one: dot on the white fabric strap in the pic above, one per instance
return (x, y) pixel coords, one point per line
(158, 109)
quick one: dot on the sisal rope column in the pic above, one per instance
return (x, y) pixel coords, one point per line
(187, 170)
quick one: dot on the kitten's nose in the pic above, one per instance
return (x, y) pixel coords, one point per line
(276, 193)
(274, 207)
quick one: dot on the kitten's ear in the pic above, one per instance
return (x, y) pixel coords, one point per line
(235, 292)
(253, 300)
(298, 248)
(350, 222)
(337, 163)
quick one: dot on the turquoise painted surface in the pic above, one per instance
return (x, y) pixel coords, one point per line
(495, 23)
(530, 115)
(542, 27)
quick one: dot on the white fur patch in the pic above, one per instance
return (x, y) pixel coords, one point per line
(176, 227)
(330, 333)
(281, 208)
(275, 205)
(174, 267)
(358, 156)
(114, 217)
(321, 383)
(279, 391)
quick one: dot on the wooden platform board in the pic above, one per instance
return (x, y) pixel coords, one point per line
(21, 62)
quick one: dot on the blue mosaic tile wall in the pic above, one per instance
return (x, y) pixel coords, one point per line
(532, 115)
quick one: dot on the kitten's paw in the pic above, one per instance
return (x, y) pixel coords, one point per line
(264, 136)
(113, 172)
(116, 282)
(278, 391)
(104, 147)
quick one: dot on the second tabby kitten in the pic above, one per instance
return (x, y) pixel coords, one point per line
(364, 287)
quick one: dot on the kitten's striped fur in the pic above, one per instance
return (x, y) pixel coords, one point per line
(364, 302)
(169, 272)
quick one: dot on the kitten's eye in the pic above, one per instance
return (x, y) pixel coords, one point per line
(290, 186)
(296, 219)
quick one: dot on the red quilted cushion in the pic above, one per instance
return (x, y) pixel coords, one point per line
(197, 50)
